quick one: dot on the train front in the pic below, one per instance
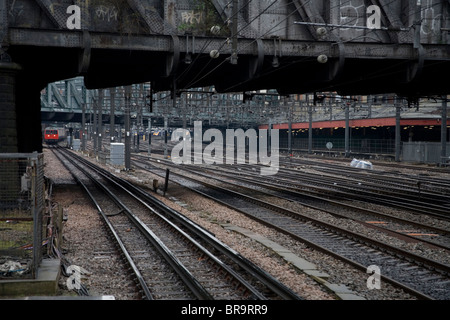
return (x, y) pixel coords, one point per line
(51, 136)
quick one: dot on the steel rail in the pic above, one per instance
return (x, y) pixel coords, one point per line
(291, 191)
(277, 287)
(279, 185)
(147, 293)
(412, 180)
(326, 187)
(433, 265)
(189, 280)
(390, 199)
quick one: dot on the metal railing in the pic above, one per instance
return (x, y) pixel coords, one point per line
(22, 207)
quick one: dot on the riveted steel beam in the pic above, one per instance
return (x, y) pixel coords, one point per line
(164, 44)
(3, 30)
(54, 11)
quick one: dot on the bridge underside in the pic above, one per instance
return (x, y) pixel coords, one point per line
(111, 68)
(171, 44)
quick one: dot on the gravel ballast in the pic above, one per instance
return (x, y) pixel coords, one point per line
(86, 242)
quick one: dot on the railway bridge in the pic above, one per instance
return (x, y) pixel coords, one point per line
(293, 46)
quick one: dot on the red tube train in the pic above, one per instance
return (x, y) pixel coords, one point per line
(54, 135)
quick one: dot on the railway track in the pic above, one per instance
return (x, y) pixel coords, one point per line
(171, 257)
(422, 277)
(248, 183)
(345, 189)
(423, 193)
(345, 161)
(426, 185)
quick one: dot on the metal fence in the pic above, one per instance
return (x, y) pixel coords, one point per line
(22, 207)
(369, 146)
(424, 152)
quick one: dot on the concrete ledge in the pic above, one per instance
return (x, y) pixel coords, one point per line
(341, 291)
(46, 282)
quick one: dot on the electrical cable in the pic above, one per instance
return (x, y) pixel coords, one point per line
(193, 81)
(372, 75)
(225, 23)
(349, 40)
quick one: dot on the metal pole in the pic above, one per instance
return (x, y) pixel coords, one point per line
(347, 130)
(137, 139)
(149, 136)
(417, 24)
(127, 128)
(310, 131)
(112, 111)
(269, 137)
(234, 32)
(83, 118)
(166, 184)
(444, 130)
(95, 122)
(89, 136)
(68, 95)
(100, 119)
(397, 132)
(83, 126)
(183, 104)
(290, 127)
(165, 137)
(49, 94)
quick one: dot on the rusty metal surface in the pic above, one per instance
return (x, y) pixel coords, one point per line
(273, 37)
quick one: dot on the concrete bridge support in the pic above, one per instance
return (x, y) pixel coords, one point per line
(8, 122)
(20, 129)
(28, 109)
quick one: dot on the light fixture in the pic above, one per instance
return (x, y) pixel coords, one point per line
(214, 54)
(322, 58)
(321, 31)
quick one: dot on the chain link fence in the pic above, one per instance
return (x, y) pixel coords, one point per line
(22, 207)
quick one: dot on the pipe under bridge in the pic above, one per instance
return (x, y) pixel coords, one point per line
(348, 46)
